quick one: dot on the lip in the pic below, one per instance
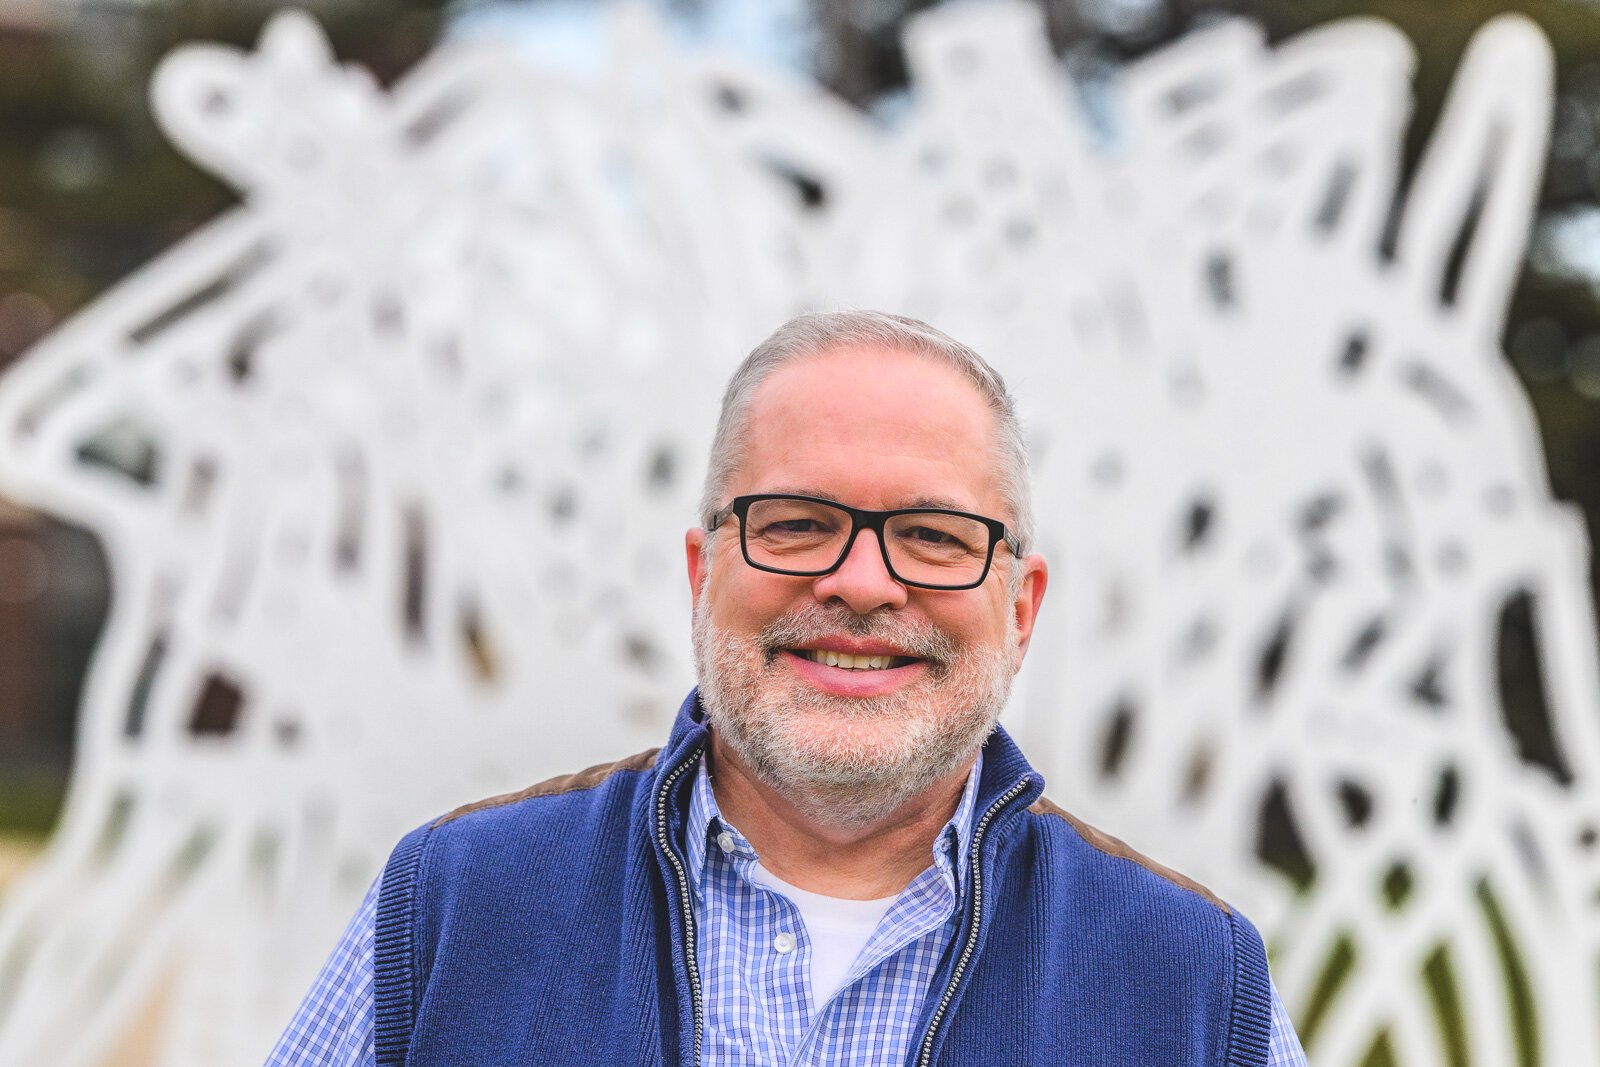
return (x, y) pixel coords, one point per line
(839, 681)
(855, 647)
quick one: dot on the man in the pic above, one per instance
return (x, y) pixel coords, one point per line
(837, 858)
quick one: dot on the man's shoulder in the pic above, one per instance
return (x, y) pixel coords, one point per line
(1153, 876)
(597, 805)
(587, 818)
(590, 784)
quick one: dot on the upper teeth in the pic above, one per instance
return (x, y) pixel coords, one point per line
(847, 661)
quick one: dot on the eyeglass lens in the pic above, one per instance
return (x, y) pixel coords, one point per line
(801, 536)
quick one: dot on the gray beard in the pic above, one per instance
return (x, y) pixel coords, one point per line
(945, 718)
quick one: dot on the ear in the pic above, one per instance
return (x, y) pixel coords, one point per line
(1030, 593)
(696, 553)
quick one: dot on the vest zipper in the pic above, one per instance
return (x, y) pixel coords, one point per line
(662, 838)
(977, 916)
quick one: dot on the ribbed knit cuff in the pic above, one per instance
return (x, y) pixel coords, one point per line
(1250, 1024)
(395, 964)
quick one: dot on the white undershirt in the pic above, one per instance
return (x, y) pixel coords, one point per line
(839, 930)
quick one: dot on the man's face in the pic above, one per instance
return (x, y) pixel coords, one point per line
(876, 429)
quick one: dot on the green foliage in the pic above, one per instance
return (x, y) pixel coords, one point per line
(89, 187)
(30, 800)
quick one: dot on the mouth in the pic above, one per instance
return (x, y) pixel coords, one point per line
(846, 661)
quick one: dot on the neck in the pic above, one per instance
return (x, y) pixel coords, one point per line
(798, 844)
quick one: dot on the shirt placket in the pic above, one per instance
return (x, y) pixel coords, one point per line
(775, 947)
(921, 911)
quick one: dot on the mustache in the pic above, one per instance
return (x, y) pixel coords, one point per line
(914, 637)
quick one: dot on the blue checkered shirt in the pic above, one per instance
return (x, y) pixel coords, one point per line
(759, 1006)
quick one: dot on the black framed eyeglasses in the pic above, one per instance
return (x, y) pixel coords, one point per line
(807, 536)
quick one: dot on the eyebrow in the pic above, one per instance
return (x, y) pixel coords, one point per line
(943, 503)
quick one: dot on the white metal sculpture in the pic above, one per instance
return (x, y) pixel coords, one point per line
(404, 445)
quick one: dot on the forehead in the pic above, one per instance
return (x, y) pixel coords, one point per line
(872, 427)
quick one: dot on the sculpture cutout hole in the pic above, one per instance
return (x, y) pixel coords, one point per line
(1531, 854)
(480, 650)
(246, 343)
(388, 317)
(139, 697)
(1446, 796)
(1319, 511)
(124, 448)
(1519, 674)
(231, 277)
(1381, 1052)
(1198, 777)
(1439, 978)
(1437, 391)
(1398, 882)
(809, 191)
(115, 826)
(216, 711)
(1220, 280)
(642, 653)
(1117, 738)
(1191, 94)
(428, 125)
(1197, 522)
(1341, 183)
(1519, 994)
(414, 579)
(1356, 802)
(1337, 967)
(350, 475)
(187, 860)
(663, 466)
(266, 849)
(1361, 649)
(1461, 247)
(1295, 93)
(563, 505)
(1354, 356)
(1274, 654)
(1278, 841)
(1378, 470)
(287, 731)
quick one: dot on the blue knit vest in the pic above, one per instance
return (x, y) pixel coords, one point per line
(555, 926)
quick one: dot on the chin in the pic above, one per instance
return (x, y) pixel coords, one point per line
(847, 759)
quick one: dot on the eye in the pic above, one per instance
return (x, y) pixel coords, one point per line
(793, 526)
(928, 535)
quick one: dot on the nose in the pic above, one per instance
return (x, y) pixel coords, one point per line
(862, 581)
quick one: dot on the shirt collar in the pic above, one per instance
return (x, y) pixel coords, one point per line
(950, 848)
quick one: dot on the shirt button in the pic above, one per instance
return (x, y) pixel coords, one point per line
(725, 841)
(784, 944)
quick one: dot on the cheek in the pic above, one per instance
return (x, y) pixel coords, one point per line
(982, 620)
(741, 600)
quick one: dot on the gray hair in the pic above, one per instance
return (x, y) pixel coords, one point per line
(813, 334)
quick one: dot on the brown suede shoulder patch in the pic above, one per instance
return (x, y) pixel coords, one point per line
(1113, 847)
(564, 783)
